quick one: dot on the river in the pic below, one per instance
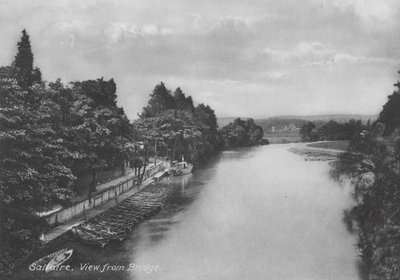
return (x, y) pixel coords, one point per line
(254, 213)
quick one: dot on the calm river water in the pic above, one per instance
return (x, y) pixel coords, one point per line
(259, 213)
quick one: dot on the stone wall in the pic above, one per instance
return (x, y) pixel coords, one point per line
(65, 214)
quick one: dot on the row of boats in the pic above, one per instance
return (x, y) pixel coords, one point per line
(118, 221)
(113, 224)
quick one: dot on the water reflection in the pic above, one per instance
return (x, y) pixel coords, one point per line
(257, 213)
(264, 214)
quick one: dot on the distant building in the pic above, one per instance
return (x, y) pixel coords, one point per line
(273, 129)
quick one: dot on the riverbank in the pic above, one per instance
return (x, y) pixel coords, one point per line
(141, 204)
(290, 228)
(321, 150)
(61, 233)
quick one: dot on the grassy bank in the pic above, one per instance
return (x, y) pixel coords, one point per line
(333, 145)
(320, 151)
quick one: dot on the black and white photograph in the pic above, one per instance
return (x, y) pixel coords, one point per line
(200, 140)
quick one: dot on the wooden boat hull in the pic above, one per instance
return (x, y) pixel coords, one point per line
(45, 260)
(59, 260)
(89, 238)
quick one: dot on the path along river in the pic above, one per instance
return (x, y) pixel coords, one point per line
(256, 213)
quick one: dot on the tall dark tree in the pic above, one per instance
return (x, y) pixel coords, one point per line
(182, 102)
(26, 75)
(160, 100)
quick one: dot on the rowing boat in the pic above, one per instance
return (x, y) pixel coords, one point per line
(59, 260)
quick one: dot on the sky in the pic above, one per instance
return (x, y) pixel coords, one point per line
(254, 58)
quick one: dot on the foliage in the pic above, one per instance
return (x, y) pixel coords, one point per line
(98, 130)
(390, 114)
(23, 64)
(308, 132)
(52, 133)
(33, 176)
(179, 128)
(332, 131)
(181, 102)
(49, 135)
(160, 100)
(373, 164)
(241, 133)
(175, 132)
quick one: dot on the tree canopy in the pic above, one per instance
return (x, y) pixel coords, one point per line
(390, 114)
(180, 128)
(241, 133)
(50, 134)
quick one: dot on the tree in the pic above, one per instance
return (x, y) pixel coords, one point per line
(179, 108)
(103, 93)
(160, 100)
(205, 115)
(241, 133)
(98, 129)
(33, 175)
(23, 64)
(182, 102)
(177, 131)
(390, 114)
(373, 165)
(308, 132)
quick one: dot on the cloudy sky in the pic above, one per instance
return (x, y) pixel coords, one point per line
(253, 58)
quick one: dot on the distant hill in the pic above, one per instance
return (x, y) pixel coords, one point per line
(280, 122)
(224, 121)
(341, 118)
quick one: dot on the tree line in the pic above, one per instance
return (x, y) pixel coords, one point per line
(332, 130)
(373, 165)
(50, 134)
(242, 133)
(53, 133)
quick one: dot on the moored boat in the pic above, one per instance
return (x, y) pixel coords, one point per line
(42, 262)
(58, 260)
(89, 238)
(181, 168)
(160, 175)
(116, 222)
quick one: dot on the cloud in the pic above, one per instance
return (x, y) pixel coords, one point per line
(317, 54)
(276, 75)
(277, 54)
(371, 9)
(311, 49)
(303, 52)
(259, 57)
